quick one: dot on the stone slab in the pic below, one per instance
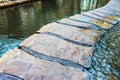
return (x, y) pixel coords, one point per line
(30, 68)
(107, 15)
(108, 11)
(99, 23)
(52, 45)
(113, 7)
(55, 47)
(105, 19)
(82, 35)
(77, 23)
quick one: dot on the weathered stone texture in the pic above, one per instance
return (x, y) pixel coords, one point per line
(54, 46)
(46, 44)
(70, 39)
(105, 19)
(30, 68)
(99, 23)
(84, 35)
(116, 18)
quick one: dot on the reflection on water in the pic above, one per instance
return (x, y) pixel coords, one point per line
(22, 21)
(106, 58)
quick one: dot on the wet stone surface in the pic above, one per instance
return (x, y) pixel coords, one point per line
(106, 58)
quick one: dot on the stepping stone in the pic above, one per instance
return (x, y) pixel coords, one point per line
(110, 21)
(82, 35)
(55, 47)
(116, 18)
(16, 67)
(107, 11)
(73, 23)
(40, 69)
(64, 42)
(96, 22)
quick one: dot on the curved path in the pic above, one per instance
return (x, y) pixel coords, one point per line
(61, 50)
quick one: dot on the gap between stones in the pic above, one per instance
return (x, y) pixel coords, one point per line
(76, 25)
(103, 16)
(54, 59)
(66, 39)
(96, 18)
(6, 76)
(99, 27)
(107, 13)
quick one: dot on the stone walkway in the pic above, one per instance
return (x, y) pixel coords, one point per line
(61, 50)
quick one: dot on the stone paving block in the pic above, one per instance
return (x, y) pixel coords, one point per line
(113, 7)
(99, 23)
(107, 15)
(76, 23)
(55, 47)
(46, 44)
(82, 35)
(100, 18)
(30, 68)
(108, 11)
(7, 56)
(16, 67)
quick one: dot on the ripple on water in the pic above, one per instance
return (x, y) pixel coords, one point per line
(106, 58)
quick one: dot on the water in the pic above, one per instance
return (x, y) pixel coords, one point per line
(17, 23)
(106, 58)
